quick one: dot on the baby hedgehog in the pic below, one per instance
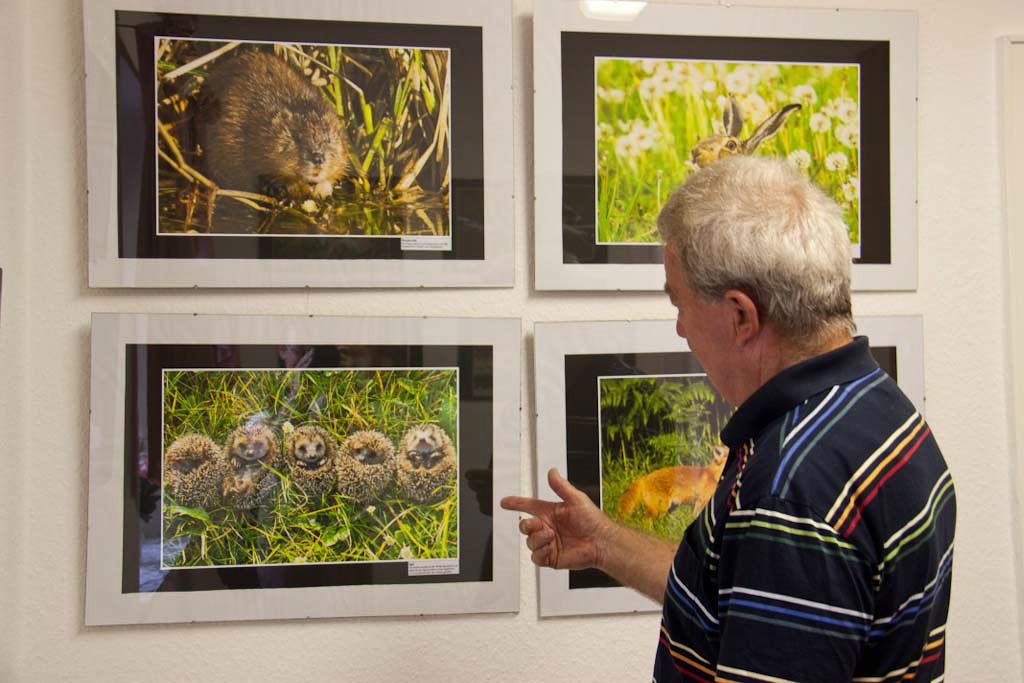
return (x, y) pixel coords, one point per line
(426, 464)
(366, 466)
(250, 451)
(194, 471)
(311, 454)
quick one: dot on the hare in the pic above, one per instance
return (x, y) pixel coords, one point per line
(715, 147)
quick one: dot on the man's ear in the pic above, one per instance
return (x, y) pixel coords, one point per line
(744, 316)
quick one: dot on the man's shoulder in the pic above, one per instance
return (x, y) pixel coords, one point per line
(856, 452)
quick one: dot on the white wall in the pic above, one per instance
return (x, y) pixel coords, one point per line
(44, 413)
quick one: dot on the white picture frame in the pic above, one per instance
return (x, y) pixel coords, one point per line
(127, 247)
(131, 352)
(1010, 57)
(554, 342)
(564, 157)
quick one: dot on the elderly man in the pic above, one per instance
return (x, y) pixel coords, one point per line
(826, 551)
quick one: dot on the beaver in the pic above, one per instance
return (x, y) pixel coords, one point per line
(265, 128)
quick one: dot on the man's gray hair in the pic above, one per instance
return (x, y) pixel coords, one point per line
(759, 226)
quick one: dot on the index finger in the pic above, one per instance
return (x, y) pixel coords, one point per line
(531, 506)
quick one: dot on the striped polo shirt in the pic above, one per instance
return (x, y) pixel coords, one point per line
(826, 551)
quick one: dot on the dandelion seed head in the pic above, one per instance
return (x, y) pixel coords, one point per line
(846, 111)
(739, 81)
(613, 95)
(754, 107)
(819, 122)
(648, 88)
(644, 139)
(649, 65)
(847, 135)
(850, 190)
(800, 158)
(709, 86)
(665, 82)
(836, 161)
(805, 94)
(768, 71)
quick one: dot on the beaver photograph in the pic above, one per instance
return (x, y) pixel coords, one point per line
(293, 139)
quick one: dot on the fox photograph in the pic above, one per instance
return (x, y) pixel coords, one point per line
(301, 466)
(660, 452)
(282, 138)
(657, 120)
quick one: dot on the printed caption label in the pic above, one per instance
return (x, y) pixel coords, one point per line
(426, 243)
(433, 567)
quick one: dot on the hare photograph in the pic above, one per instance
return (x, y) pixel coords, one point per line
(660, 451)
(293, 466)
(659, 119)
(297, 139)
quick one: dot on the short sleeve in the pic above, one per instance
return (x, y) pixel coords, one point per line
(795, 598)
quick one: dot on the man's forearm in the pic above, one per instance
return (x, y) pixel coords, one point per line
(635, 559)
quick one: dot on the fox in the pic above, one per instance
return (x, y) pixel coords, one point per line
(661, 490)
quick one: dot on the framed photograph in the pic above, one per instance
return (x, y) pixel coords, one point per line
(641, 409)
(626, 110)
(299, 144)
(290, 467)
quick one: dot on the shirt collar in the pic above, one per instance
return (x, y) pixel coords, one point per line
(796, 384)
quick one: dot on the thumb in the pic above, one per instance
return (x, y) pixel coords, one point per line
(561, 486)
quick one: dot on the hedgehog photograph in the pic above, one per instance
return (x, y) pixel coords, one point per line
(194, 471)
(311, 453)
(333, 433)
(366, 466)
(251, 455)
(426, 464)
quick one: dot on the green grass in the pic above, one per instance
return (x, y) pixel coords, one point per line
(650, 114)
(294, 528)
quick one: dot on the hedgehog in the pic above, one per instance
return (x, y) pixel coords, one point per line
(311, 453)
(194, 471)
(366, 466)
(426, 464)
(250, 456)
